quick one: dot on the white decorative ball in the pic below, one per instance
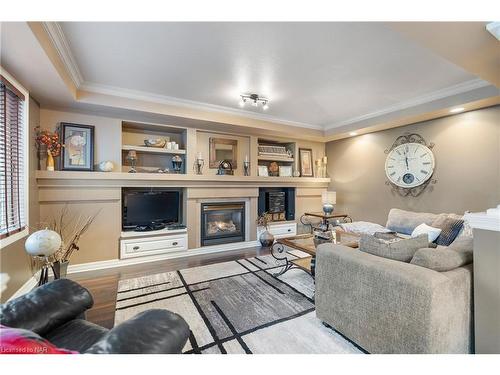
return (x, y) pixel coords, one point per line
(105, 166)
(44, 242)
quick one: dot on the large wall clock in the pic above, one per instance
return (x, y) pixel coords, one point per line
(410, 164)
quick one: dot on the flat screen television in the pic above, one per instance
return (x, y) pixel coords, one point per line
(151, 206)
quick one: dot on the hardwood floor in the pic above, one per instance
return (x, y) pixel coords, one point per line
(103, 284)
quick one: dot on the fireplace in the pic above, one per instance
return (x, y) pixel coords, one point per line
(222, 223)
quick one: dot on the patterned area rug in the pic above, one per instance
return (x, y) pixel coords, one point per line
(237, 307)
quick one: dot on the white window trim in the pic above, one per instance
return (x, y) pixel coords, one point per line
(4, 242)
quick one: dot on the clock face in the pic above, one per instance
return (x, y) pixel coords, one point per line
(409, 165)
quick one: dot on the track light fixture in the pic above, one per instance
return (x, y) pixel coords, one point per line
(255, 100)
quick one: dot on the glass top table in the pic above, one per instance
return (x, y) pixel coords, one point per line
(306, 243)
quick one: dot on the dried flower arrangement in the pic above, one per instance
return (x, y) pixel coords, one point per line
(48, 139)
(71, 229)
(263, 221)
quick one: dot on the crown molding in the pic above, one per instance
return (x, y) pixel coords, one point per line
(191, 104)
(60, 43)
(423, 99)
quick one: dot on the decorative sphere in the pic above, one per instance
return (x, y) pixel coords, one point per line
(105, 166)
(44, 242)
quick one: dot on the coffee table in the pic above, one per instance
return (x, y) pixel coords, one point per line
(305, 243)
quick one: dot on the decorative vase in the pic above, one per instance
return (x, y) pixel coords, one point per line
(266, 239)
(60, 269)
(50, 161)
(42, 156)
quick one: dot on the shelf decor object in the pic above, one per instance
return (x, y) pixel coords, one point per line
(199, 163)
(246, 168)
(78, 151)
(177, 164)
(132, 159)
(48, 147)
(158, 142)
(42, 245)
(271, 152)
(225, 168)
(222, 149)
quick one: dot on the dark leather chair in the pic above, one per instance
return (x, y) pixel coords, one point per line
(55, 311)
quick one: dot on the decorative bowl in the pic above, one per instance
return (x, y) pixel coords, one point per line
(158, 142)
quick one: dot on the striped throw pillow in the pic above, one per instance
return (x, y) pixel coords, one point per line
(450, 227)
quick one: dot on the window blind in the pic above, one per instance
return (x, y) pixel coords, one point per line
(12, 160)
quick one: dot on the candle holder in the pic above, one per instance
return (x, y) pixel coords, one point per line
(246, 168)
(177, 163)
(198, 166)
(132, 159)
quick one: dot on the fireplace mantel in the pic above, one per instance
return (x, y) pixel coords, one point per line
(122, 179)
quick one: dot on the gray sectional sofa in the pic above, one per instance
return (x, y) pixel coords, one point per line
(390, 306)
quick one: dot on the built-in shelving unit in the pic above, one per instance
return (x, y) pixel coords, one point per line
(268, 158)
(152, 159)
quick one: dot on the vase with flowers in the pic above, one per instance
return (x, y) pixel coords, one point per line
(266, 238)
(69, 228)
(48, 146)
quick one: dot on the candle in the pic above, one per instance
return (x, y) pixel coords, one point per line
(246, 158)
(324, 159)
(198, 156)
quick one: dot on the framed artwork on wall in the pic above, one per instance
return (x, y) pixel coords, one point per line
(306, 162)
(78, 151)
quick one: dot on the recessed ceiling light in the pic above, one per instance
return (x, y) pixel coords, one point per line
(456, 110)
(353, 134)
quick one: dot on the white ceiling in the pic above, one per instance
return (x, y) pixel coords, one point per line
(315, 74)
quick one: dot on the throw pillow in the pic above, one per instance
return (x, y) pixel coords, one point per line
(396, 249)
(22, 341)
(402, 221)
(423, 228)
(442, 259)
(450, 227)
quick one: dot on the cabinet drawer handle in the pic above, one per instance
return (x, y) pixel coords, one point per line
(136, 248)
(175, 243)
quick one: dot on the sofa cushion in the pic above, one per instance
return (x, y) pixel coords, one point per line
(431, 232)
(406, 221)
(441, 260)
(396, 249)
(77, 334)
(450, 227)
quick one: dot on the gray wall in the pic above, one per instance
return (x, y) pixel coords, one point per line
(467, 151)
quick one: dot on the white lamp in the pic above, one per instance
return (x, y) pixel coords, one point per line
(328, 198)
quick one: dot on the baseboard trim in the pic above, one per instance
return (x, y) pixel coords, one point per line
(113, 263)
(26, 287)
(94, 266)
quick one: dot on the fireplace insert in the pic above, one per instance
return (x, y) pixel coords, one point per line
(222, 223)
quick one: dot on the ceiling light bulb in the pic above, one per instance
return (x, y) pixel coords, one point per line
(265, 106)
(254, 103)
(456, 110)
(352, 134)
(242, 102)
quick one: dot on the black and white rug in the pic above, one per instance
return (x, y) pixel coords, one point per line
(237, 307)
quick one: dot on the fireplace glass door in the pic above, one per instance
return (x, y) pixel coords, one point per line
(222, 223)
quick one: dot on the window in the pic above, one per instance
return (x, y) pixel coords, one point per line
(13, 160)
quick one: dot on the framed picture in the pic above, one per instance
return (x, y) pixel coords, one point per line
(285, 171)
(263, 171)
(306, 162)
(78, 151)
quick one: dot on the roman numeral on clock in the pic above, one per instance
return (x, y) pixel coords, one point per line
(424, 172)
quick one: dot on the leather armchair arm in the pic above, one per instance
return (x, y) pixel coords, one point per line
(46, 307)
(151, 332)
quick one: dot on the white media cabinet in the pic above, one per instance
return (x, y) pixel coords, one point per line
(165, 241)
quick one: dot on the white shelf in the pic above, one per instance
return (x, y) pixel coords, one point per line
(276, 158)
(152, 150)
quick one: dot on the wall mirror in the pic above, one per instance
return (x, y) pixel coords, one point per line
(223, 149)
